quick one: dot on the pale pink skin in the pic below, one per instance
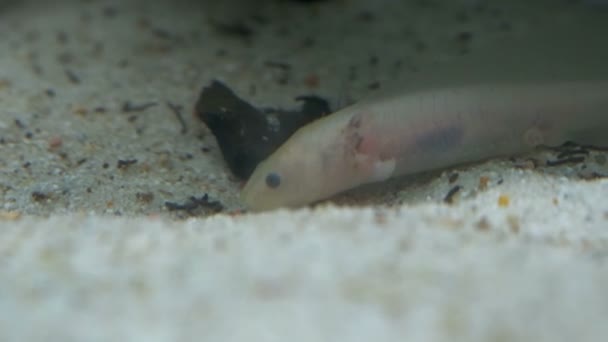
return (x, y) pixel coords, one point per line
(419, 131)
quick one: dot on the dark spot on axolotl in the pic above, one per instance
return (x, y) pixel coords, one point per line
(355, 122)
(441, 138)
(352, 135)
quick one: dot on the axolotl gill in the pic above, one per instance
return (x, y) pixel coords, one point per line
(407, 133)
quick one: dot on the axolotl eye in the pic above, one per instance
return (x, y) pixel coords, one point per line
(273, 180)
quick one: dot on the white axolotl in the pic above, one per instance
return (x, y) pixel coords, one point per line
(506, 97)
(424, 130)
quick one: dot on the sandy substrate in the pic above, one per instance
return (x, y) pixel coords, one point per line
(91, 151)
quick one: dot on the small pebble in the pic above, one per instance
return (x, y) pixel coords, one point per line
(503, 201)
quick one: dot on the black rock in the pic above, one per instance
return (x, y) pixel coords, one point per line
(247, 135)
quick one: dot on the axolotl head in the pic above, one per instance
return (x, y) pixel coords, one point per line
(301, 171)
(318, 161)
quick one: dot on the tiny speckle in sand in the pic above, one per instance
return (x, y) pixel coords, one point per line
(503, 201)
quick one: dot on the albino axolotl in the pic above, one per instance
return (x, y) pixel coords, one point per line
(424, 130)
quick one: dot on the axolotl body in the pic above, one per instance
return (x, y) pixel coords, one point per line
(423, 130)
